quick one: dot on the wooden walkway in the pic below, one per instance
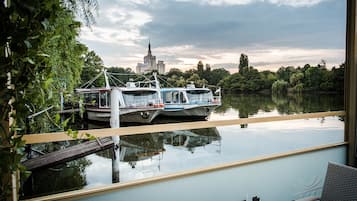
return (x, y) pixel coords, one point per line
(69, 111)
(68, 154)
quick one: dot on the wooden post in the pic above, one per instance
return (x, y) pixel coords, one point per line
(351, 82)
(115, 123)
(4, 133)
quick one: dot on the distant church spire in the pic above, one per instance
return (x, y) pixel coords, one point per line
(149, 51)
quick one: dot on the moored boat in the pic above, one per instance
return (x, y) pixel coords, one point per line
(136, 104)
(189, 101)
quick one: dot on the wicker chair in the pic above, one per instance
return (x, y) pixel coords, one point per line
(340, 184)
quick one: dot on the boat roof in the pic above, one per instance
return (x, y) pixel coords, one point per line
(184, 89)
(100, 89)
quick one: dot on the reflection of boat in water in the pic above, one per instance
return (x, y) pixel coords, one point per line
(189, 101)
(141, 147)
(190, 139)
(137, 104)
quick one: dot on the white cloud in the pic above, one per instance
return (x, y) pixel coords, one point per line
(293, 3)
(227, 2)
(128, 37)
(118, 25)
(125, 17)
(296, 3)
(271, 58)
(118, 38)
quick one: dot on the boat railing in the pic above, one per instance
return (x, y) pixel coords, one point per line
(217, 100)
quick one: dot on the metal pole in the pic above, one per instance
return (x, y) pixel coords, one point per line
(115, 123)
(62, 101)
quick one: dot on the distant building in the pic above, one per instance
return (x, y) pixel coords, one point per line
(208, 67)
(150, 64)
(161, 67)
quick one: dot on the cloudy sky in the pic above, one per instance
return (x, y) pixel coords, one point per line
(272, 33)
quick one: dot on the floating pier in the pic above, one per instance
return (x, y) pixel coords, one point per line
(68, 154)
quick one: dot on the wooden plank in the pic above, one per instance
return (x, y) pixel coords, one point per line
(68, 154)
(68, 111)
(106, 132)
(72, 195)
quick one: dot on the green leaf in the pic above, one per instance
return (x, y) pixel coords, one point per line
(28, 44)
(55, 37)
(45, 23)
(34, 37)
(57, 118)
(43, 55)
(27, 59)
(48, 82)
(65, 123)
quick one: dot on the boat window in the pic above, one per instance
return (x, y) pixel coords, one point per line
(174, 97)
(91, 99)
(167, 97)
(182, 97)
(199, 96)
(104, 100)
(140, 98)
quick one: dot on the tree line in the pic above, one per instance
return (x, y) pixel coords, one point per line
(247, 80)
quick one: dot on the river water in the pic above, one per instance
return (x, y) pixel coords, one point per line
(153, 154)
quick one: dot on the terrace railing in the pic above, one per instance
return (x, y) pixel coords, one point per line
(323, 153)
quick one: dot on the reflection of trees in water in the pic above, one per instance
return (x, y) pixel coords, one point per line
(246, 104)
(307, 103)
(69, 176)
(250, 104)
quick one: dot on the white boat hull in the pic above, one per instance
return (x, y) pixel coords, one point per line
(128, 115)
(188, 110)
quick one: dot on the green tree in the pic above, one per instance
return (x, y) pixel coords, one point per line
(93, 65)
(187, 74)
(216, 75)
(195, 78)
(122, 74)
(284, 73)
(280, 87)
(313, 78)
(174, 71)
(243, 63)
(268, 78)
(338, 77)
(296, 78)
(200, 68)
(176, 81)
(39, 54)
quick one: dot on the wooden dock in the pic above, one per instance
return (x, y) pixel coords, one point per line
(69, 111)
(68, 154)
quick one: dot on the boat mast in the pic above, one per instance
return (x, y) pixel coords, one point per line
(157, 85)
(107, 86)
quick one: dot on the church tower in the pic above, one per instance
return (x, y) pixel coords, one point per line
(150, 60)
(150, 63)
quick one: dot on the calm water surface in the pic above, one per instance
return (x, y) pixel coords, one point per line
(154, 154)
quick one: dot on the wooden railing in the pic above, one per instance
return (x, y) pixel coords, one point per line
(107, 132)
(60, 136)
